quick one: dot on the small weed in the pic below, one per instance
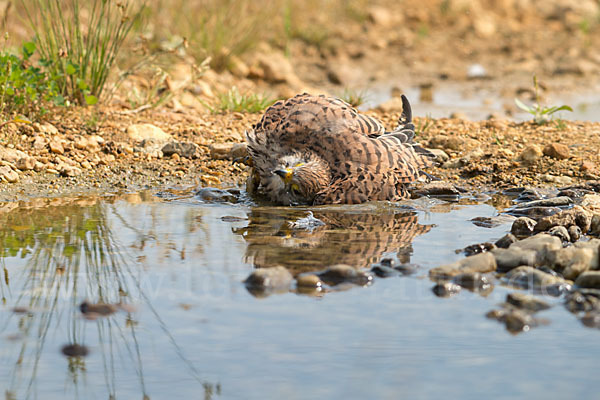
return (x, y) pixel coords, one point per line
(560, 124)
(234, 101)
(424, 124)
(541, 114)
(78, 46)
(354, 97)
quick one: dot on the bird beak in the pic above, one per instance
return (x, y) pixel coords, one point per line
(285, 174)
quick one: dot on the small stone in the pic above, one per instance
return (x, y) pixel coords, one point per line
(139, 132)
(75, 350)
(523, 226)
(447, 142)
(342, 273)
(507, 259)
(560, 232)
(557, 179)
(472, 280)
(589, 279)
(269, 279)
(526, 302)
(446, 289)
(309, 281)
(591, 319)
(484, 262)
(531, 278)
(557, 150)
(383, 271)
(56, 147)
(8, 175)
(506, 241)
(530, 155)
(574, 233)
(582, 300)
(438, 189)
(562, 201)
(575, 216)
(587, 166)
(227, 151)
(440, 155)
(591, 202)
(379, 16)
(68, 170)
(183, 149)
(48, 128)
(26, 163)
(535, 213)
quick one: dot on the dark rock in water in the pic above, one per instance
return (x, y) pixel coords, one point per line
(183, 149)
(492, 222)
(560, 232)
(472, 281)
(591, 319)
(562, 201)
(232, 218)
(384, 272)
(515, 320)
(575, 192)
(542, 243)
(341, 273)
(387, 262)
(263, 281)
(582, 300)
(407, 269)
(506, 241)
(438, 189)
(97, 310)
(575, 216)
(213, 195)
(477, 248)
(446, 289)
(589, 279)
(574, 233)
(514, 191)
(526, 302)
(532, 278)
(484, 262)
(309, 281)
(572, 261)
(534, 212)
(507, 259)
(75, 350)
(529, 195)
(522, 226)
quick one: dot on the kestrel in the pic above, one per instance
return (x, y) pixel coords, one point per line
(320, 150)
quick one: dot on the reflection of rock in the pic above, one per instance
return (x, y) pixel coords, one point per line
(354, 239)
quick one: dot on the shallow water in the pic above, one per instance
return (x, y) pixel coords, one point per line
(197, 332)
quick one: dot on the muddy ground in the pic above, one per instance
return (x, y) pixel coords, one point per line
(103, 149)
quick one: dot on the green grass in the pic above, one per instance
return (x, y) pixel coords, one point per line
(79, 41)
(541, 114)
(354, 97)
(234, 101)
(422, 125)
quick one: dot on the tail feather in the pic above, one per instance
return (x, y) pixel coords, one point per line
(405, 131)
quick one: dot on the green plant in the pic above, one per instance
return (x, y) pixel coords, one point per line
(354, 97)
(541, 114)
(78, 49)
(560, 124)
(234, 101)
(24, 88)
(423, 124)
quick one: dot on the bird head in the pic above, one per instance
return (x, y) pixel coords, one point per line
(302, 179)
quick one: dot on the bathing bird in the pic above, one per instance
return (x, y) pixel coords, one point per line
(311, 150)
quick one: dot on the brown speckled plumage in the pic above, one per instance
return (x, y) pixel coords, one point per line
(347, 157)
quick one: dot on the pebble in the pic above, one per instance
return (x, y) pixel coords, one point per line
(56, 147)
(530, 155)
(26, 163)
(558, 151)
(589, 279)
(228, 151)
(216, 195)
(532, 278)
(560, 232)
(572, 261)
(8, 175)
(560, 180)
(440, 155)
(515, 320)
(445, 142)
(522, 226)
(75, 350)
(97, 310)
(595, 225)
(183, 149)
(591, 319)
(542, 243)
(438, 189)
(582, 300)
(526, 302)
(273, 279)
(477, 248)
(139, 132)
(574, 233)
(529, 195)
(562, 201)
(446, 289)
(342, 273)
(383, 271)
(506, 241)
(309, 281)
(472, 281)
(535, 213)
(484, 262)
(507, 259)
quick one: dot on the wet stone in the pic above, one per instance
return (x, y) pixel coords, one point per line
(526, 302)
(522, 226)
(591, 319)
(575, 216)
(507, 259)
(407, 269)
(529, 195)
(477, 248)
(561, 201)
(515, 320)
(75, 350)
(269, 279)
(214, 195)
(574, 233)
(506, 241)
(384, 272)
(589, 279)
(97, 310)
(572, 261)
(582, 300)
(438, 189)
(535, 213)
(492, 222)
(472, 281)
(446, 289)
(484, 262)
(532, 278)
(560, 232)
(542, 244)
(309, 281)
(342, 273)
